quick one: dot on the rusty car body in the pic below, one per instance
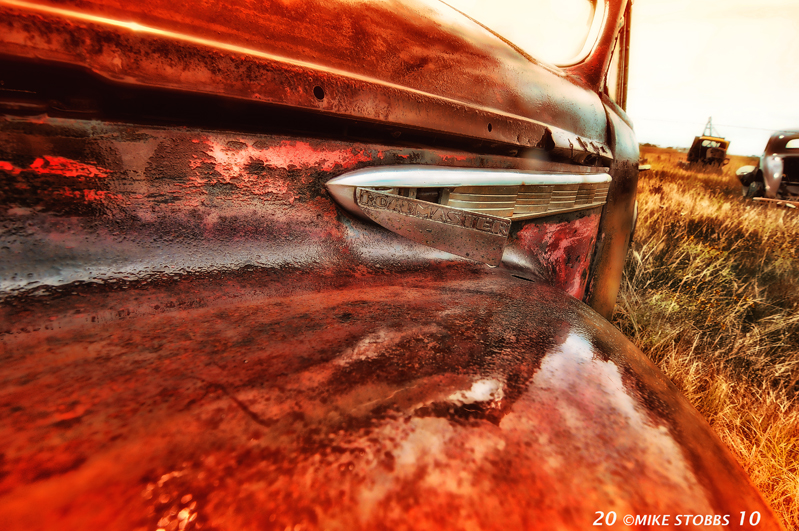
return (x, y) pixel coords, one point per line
(326, 265)
(777, 174)
(709, 150)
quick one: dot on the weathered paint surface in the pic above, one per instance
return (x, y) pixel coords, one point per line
(463, 83)
(452, 398)
(48, 165)
(284, 155)
(249, 167)
(617, 221)
(211, 344)
(82, 202)
(564, 249)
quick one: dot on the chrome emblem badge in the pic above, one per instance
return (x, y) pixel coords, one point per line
(473, 235)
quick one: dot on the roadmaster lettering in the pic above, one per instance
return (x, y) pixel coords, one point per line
(433, 212)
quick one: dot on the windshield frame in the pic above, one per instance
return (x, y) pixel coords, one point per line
(595, 30)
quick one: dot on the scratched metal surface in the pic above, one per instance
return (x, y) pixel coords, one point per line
(450, 398)
(88, 202)
(427, 70)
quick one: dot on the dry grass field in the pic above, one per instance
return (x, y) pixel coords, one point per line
(711, 294)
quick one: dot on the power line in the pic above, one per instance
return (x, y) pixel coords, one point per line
(695, 123)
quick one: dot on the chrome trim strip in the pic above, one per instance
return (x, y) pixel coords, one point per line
(534, 215)
(342, 188)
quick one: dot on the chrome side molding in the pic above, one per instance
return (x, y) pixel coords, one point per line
(466, 211)
(506, 193)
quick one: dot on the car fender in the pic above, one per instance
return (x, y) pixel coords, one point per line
(443, 398)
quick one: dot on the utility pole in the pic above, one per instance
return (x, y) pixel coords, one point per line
(709, 128)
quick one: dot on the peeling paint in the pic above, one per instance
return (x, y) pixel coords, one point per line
(240, 166)
(50, 165)
(565, 248)
(285, 155)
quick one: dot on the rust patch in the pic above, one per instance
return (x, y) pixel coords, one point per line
(564, 248)
(244, 165)
(286, 155)
(50, 165)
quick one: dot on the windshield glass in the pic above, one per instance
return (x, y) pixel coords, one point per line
(556, 31)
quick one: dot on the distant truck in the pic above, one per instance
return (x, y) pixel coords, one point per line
(709, 149)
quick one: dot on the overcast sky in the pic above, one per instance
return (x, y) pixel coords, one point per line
(734, 60)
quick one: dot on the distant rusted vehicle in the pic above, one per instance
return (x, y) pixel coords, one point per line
(708, 149)
(777, 174)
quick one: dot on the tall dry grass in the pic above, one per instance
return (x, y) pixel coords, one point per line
(711, 293)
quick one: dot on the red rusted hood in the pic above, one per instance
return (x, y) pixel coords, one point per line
(451, 399)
